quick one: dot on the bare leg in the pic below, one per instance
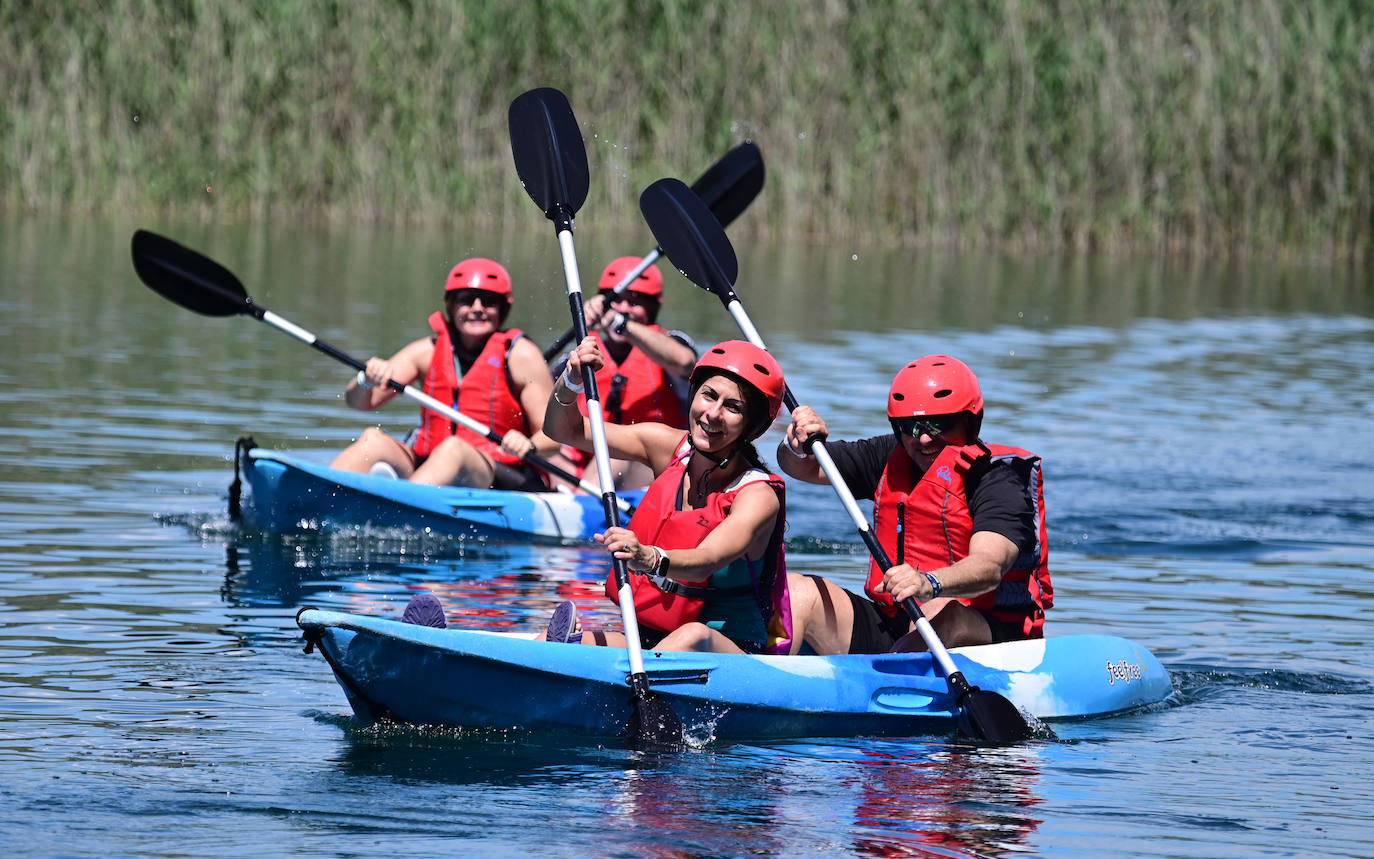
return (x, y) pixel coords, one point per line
(956, 624)
(697, 637)
(822, 615)
(456, 463)
(375, 446)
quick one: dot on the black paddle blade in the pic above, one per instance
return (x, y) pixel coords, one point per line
(550, 157)
(653, 726)
(691, 237)
(185, 277)
(732, 183)
(991, 718)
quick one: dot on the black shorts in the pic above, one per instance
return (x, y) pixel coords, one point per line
(875, 632)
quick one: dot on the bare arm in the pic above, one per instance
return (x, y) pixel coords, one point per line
(406, 367)
(533, 384)
(744, 533)
(990, 555)
(650, 443)
(667, 352)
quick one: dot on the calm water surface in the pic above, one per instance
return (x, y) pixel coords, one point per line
(1206, 433)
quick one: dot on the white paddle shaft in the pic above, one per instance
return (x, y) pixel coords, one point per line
(603, 459)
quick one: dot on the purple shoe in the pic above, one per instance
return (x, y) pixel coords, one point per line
(563, 624)
(424, 609)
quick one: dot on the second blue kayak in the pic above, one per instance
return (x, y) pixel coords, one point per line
(290, 493)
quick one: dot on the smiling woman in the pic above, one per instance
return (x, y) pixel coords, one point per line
(704, 547)
(495, 375)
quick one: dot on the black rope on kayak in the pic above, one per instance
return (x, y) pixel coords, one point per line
(244, 444)
(314, 638)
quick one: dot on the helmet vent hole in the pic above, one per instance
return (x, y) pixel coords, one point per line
(762, 369)
(899, 397)
(943, 393)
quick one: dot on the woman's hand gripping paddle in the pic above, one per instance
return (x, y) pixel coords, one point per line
(728, 187)
(696, 243)
(551, 160)
(198, 283)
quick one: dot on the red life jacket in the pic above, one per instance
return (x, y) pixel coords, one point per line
(930, 526)
(637, 390)
(484, 394)
(664, 604)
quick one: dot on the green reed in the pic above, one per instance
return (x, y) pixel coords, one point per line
(1210, 125)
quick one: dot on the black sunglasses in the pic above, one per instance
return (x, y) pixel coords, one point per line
(468, 296)
(931, 425)
(638, 299)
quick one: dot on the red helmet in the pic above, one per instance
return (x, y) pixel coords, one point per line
(752, 366)
(934, 385)
(649, 282)
(481, 273)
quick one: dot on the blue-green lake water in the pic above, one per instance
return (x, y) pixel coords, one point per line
(1207, 434)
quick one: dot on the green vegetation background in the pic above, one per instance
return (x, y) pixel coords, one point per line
(1215, 125)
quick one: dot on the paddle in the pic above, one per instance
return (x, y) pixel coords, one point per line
(696, 243)
(552, 164)
(198, 283)
(727, 188)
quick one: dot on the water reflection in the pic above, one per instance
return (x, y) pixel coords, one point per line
(889, 797)
(483, 585)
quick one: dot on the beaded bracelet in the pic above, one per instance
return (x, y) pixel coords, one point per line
(935, 586)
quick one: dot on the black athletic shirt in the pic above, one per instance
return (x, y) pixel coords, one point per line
(997, 496)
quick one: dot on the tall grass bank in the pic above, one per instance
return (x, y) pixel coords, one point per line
(1209, 125)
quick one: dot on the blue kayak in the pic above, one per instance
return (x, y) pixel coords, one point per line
(474, 679)
(290, 493)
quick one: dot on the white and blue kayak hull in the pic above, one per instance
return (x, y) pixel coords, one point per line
(290, 493)
(473, 679)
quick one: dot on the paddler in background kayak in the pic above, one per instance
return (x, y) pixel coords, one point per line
(705, 546)
(963, 520)
(644, 377)
(498, 377)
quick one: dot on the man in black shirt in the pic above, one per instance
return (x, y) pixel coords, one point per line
(965, 521)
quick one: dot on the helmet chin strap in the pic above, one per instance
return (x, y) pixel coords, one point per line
(717, 461)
